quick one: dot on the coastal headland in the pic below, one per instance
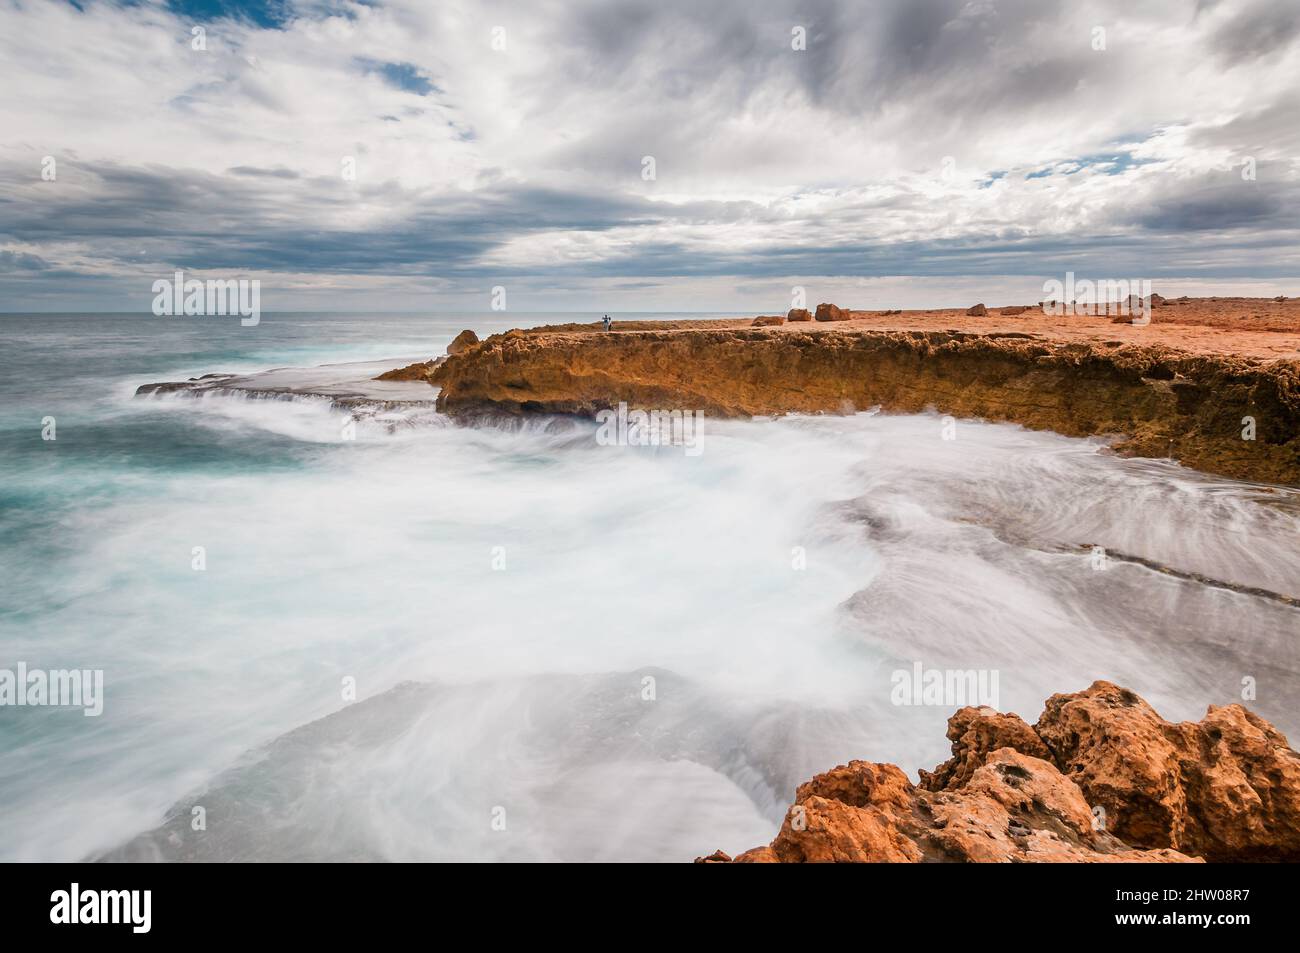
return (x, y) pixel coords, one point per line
(1213, 383)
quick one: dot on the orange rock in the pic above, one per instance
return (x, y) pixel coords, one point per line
(1013, 808)
(1019, 808)
(767, 321)
(717, 857)
(1226, 789)
(798, 314)
(830, 312)
(756, 855)
(1080, 386)
(462, 342)
(974, 733)
(422, 371)
(977, 311)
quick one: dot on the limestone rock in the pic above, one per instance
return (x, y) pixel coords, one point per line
(975, 733)
(1077, 388)
(717, 857)
(1101, 778)
(1013, 808)
(1226, 788)
(462, 342)
(421, 371)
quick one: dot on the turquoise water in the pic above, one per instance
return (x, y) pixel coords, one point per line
(528, 581)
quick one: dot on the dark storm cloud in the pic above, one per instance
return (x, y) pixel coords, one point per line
(1220, 208)
(753, 179)
(1267, 129)
(170, 216)
(1260, 30)
(865, 55)
(263, 173)
(20, 261)
(201, 220)
(1264, 199)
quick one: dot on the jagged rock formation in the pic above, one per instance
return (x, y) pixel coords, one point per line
(462, 342)
(1225, 788)
(423, 370)
(1100, 778)
(1158, 400)
(420, 371)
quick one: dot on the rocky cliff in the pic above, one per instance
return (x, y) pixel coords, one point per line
(1158, 399)
(1099, 778)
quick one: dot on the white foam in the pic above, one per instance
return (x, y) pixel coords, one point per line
(375, 560)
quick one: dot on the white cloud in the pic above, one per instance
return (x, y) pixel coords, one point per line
(527, 161)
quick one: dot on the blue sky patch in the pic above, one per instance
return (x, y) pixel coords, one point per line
(403, 76)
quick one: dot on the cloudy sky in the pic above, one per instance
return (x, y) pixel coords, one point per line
(409, 154)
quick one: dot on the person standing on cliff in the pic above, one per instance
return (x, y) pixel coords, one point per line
(607, 321)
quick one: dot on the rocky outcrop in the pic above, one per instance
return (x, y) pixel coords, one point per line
(1161, 401)
(768, 321)
(830, 312)
(1224, 788)
(462, 342)
(798, 314)
(1013, 808)
(420, 371)
(1100, 778)
(977, 310)
(975, 733)
(423, 370)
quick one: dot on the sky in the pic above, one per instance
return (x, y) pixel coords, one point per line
(597, 155)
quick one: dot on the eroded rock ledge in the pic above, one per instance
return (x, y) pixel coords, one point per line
(1099, 778)
(1160, 400)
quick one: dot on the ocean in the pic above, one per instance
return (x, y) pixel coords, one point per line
(416, 640)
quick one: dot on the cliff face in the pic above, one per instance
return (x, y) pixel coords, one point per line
(1100, 778)
(1161, 400)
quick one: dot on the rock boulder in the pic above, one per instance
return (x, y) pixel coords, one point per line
(830, 312)
(1099, 778)
(462, 342)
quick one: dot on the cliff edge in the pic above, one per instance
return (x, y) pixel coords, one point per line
(1218, 397)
